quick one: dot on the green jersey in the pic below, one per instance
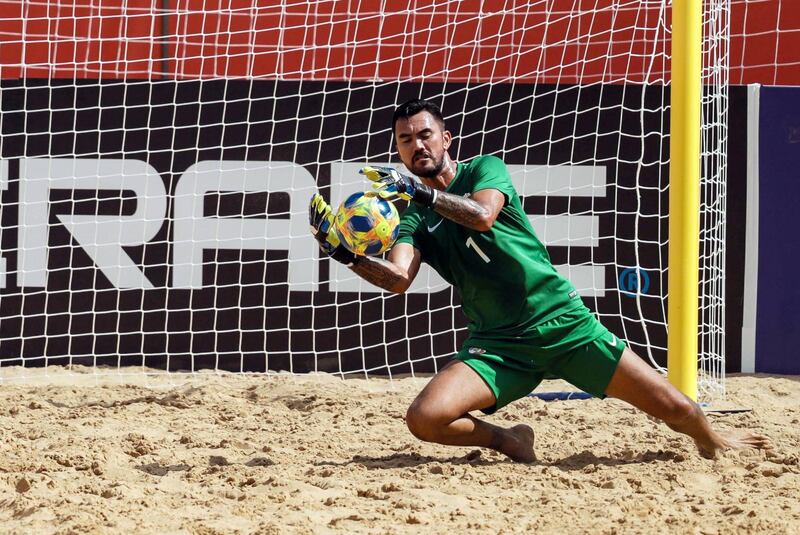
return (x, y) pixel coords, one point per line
(504, 276)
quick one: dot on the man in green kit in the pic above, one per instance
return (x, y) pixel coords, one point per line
(466, 221)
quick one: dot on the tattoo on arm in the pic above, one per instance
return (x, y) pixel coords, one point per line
(379, 272)
(461, 210)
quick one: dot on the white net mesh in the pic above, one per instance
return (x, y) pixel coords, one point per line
(158, 160)
(714, 151)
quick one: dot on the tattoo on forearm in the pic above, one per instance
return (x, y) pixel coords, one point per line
(461, 210)
(379, 272)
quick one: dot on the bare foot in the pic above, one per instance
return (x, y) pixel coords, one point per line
(518, 444)
(733, 441)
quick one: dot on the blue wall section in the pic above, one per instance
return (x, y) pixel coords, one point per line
(778, 321)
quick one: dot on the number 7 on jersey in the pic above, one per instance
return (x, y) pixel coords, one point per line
(471, 243)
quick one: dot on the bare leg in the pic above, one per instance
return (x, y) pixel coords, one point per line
(643, 387)
(440, 413)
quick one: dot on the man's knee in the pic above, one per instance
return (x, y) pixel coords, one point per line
(424, 422)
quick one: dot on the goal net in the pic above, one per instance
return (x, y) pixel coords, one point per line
(157, 163)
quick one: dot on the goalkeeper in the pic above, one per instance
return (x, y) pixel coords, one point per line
(525, 320)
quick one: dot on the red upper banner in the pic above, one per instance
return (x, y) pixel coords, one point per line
(545, 41)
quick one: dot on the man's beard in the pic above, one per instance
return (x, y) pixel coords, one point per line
(432, 172)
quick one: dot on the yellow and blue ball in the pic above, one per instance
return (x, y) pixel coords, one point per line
(367, 225)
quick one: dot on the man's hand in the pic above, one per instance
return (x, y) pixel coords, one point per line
(391, 185)
(320, 217)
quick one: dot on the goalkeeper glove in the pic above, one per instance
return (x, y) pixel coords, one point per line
(321, 220)
(391, 185)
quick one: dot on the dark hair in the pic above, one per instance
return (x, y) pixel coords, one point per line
(415, 106)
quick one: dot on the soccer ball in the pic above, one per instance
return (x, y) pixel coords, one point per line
(366, 225)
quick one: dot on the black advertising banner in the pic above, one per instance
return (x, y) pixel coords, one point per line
(142, 266)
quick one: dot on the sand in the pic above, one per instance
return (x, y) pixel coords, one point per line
(213, 454)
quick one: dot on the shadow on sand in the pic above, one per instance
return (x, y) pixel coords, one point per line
(577, 461)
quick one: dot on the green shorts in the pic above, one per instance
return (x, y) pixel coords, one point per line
(573, 346)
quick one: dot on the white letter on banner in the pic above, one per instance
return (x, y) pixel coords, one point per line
(566, 230)
(102, 237)
(194, 232)
(3, 187)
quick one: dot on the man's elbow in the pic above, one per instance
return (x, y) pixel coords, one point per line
(400, 287)
(484, 223)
